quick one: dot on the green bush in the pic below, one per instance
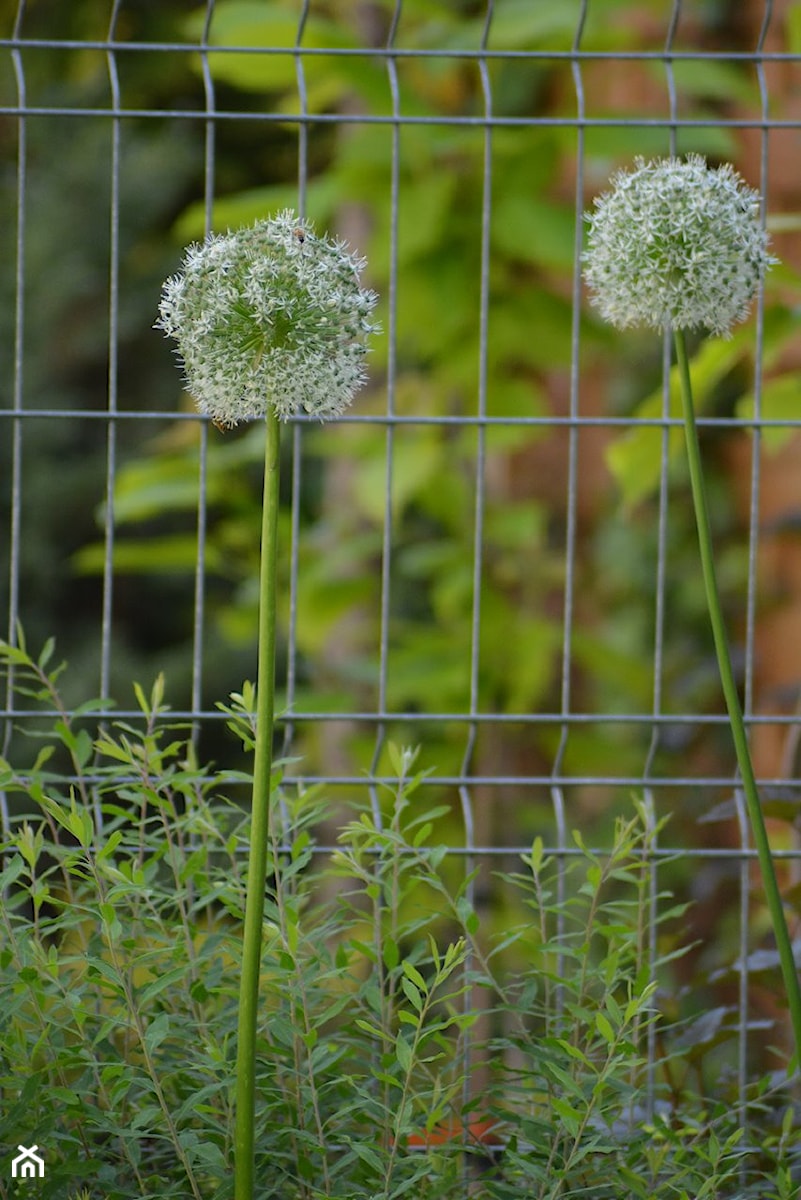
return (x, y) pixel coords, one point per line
(405, 1049)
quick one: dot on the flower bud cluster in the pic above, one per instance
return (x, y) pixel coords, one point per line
(676, 244)
(270, 315)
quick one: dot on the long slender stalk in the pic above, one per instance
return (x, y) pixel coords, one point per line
(752, 801)
(244, 1147)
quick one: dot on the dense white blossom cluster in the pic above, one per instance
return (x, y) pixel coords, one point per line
(271, 315)
(676, 244)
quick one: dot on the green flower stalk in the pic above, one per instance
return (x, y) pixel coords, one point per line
(677, 245)
(270, 322)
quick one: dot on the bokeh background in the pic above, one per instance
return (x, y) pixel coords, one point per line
(493, 555)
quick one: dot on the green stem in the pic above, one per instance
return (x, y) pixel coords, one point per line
(244, 1147)
(753, 805)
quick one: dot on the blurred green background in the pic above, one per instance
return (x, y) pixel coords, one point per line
(637, 641)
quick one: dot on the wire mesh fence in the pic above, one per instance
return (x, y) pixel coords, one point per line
(491, 555)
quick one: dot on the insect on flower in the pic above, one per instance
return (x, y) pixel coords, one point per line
(299, 235)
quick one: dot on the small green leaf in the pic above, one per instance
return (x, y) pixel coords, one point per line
(12, 872)
(467, 915)
(403, 1053)
(574, 1052)
(81, 826)
(373, 1030)
(422, 834)
(390, 953)
(47, 653)
(110, 749)
(157, 1031)
(604, 1027)
(412, 994)
(414, 975)
(176, 975)
(44, 755)
(366, 1154)
(99, 966)
(110, 846)
(79, 744)
(64, 1095)
(110, 921)
(570, 1116)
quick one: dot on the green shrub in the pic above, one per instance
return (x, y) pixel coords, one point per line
(407, 1047)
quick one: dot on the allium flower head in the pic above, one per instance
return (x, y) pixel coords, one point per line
(676, 243)
(270, 315)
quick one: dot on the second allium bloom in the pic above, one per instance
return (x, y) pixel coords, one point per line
(271, 315)
(676, 244)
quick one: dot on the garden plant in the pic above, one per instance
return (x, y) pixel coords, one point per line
(269, 321)
(191, 979)
(677, 246)
(122, 953)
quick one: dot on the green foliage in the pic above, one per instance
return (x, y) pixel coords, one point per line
(402, 1042)
(107, 1123)
(429, 243)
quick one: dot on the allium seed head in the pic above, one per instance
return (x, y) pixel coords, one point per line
(271, 315)
(676, 244)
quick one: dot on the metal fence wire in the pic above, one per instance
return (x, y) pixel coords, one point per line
(491, 554)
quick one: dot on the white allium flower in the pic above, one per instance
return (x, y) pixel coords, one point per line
(271, 315)
(677, 244)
